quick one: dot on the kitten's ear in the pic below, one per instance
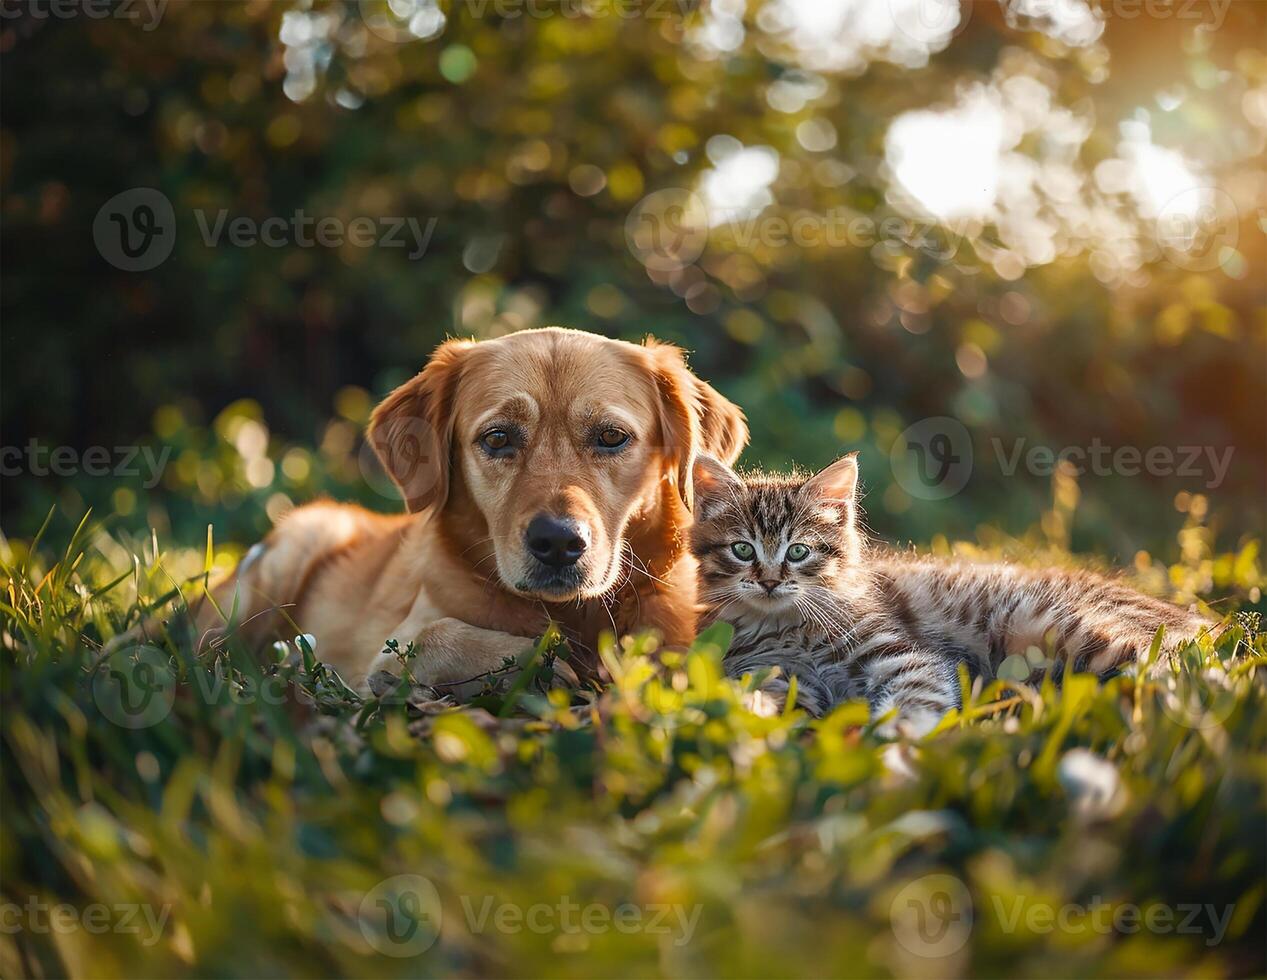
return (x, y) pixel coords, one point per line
(837, 482)
(715, 483)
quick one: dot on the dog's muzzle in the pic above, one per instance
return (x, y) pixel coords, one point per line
(555, 547)
(556, 542)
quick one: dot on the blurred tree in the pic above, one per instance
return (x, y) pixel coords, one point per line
(1007, 257)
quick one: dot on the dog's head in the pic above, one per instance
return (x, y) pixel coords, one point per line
(546, 447)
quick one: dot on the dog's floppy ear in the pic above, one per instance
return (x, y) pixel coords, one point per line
(412, 429)
(695, 417)
(723, 428)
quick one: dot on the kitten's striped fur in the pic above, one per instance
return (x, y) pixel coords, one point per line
(850, 620)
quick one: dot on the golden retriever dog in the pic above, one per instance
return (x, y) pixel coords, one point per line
(547, 477)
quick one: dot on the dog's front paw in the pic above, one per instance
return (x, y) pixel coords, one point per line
(380, 683)
(564, 675)
(391, 689)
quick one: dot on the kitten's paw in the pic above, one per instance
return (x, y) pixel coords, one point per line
(887, 729)
(899, 764)
(915, 724)
(908, 723)
(763, 703)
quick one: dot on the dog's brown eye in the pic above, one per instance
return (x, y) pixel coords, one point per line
(495, 440)
(610, 438)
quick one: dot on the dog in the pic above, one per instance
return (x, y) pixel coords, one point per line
(547, 477)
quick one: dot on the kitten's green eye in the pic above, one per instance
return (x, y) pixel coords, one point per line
(743, 550)
(798, 552)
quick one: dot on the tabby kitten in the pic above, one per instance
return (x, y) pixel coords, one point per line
(782, 559)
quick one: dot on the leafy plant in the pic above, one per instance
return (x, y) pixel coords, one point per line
(265, 819)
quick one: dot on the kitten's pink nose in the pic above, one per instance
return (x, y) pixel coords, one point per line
(769, 584)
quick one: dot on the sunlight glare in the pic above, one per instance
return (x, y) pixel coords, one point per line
(1072, 22)
(738, 186)
(949, 161)
(1162, 179)
(846, 35)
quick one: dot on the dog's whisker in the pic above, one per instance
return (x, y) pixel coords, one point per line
(636, 564)
(475, 545)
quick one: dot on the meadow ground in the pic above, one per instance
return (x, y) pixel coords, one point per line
(168, 813)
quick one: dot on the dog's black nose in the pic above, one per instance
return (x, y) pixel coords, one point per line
(554, 542)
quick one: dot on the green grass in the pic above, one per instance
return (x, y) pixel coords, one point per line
(253, 827)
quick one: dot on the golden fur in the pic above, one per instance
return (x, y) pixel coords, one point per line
(453, 575)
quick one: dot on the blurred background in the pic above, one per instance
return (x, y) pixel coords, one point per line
(229, 228)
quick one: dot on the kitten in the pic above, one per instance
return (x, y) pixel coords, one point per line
(782, 558)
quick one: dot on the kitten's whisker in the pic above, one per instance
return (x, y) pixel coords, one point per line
(809, 611)
(715, 614)
(825, 614)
